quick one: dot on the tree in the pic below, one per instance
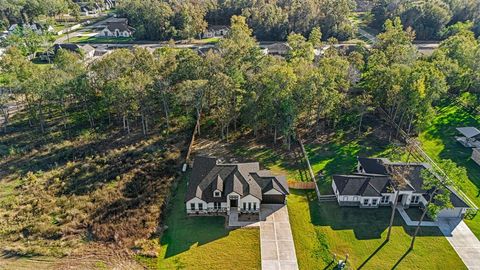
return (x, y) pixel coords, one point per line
(299, 48)
(438, 193)
(315, 37)
(399, 176)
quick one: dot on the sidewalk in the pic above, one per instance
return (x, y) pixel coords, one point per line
(410, 222)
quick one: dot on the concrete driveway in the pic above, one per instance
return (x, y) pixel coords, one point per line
(276, 240)
(463, 241)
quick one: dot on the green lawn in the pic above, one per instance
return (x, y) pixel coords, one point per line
(439, 143)
(88, 39)
(322, 230)
(330, 156)
(203, 242)
(339, 156)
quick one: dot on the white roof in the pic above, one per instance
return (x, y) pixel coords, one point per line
(469, 132)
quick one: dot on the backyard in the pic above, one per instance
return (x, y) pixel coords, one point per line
(439, 143)
(203, 242)
(321, 230)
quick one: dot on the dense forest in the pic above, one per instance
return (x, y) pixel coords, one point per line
(237, 85)
(174, 19)
(429, 18)
(270, 20)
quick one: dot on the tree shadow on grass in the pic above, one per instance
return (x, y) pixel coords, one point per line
(365, 223)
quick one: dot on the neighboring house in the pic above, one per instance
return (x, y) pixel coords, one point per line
(279, 48)
(372, 186)
(216, 31)
(35, 27)
(232, 187)
(117, 28)
(86, 50)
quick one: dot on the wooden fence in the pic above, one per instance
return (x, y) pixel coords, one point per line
(302, 185)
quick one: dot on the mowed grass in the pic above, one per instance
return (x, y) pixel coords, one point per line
(334, 155)
(339, 156)
(90, 39)
(439, 143)
(204, 242)
(319, 231)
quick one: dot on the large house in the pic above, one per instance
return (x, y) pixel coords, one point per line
(372, 186)
(216, 187)
(117, 27)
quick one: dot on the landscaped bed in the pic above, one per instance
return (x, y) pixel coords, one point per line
(439, 143)
(319, 231)
(203, 242)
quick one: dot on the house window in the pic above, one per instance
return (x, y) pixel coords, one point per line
(385, 199)
(244, 206)
(217, 194)
(192, 206)
(249, 206)
(365, 201)
(415, 199)
(216, 205)
(254, 206)
(374, 201)
(200, 206)
(105, 33)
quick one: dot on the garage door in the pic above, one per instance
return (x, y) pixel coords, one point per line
(273, 199)
(450, 213)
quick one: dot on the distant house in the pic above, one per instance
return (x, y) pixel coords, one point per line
(86, 50)
(216, 31)
(117, 28)
(35, 27)
(279, 48)
(232, 187)
(372, 187)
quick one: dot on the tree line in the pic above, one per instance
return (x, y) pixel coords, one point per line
(270, 20)
(429, 18)
(236, 87)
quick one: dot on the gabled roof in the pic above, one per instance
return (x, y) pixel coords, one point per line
(362, 185)
(243, 178)
(121, 26)
(413, 174)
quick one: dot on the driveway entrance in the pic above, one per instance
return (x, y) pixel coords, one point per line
(276, 240)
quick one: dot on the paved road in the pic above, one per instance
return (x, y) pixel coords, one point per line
(276, 240)
(463, 241)
(82, 31)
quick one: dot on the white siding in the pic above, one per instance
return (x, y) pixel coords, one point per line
(196, 201)
(249, 199)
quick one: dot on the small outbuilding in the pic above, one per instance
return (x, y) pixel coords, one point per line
(470, 136)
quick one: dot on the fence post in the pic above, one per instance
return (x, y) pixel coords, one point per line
(310, 170)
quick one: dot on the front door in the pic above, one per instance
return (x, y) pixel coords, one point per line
(400, 199)
(233, 202)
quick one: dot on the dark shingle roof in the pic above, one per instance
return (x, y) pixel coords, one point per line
(121, 26)
(372, 165)
(362, 185)
(242, 178)
(376, 166)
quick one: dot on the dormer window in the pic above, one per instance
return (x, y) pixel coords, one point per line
(217, 193)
